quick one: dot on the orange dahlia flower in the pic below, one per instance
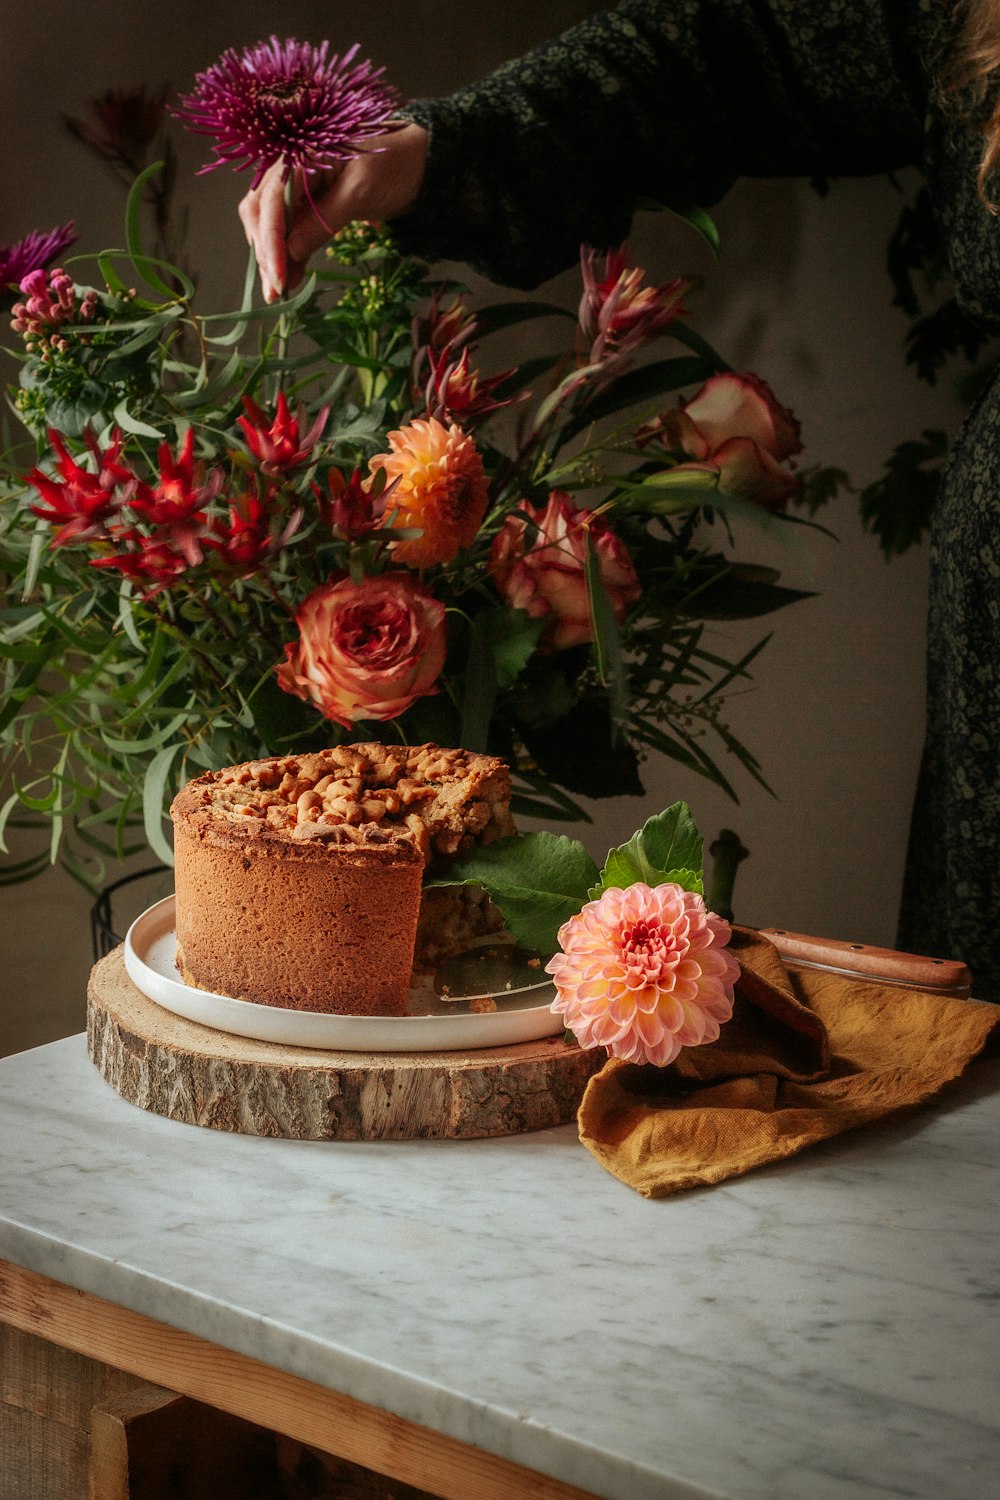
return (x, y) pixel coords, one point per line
(442, 489)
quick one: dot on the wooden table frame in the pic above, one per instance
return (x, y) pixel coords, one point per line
(247, 1388)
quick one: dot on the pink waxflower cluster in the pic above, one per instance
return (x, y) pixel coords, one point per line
(50, 300)
(644, 971)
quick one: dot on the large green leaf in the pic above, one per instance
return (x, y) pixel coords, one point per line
(480, 685)
(666, 847)
(538, 881)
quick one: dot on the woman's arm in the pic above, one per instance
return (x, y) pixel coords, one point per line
(669, 100)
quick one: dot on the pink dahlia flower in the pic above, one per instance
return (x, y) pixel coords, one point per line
(644, 972)
(288, 102)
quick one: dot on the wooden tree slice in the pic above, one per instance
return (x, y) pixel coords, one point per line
(177, 1068)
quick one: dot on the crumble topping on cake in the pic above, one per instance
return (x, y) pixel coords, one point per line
(442, 801)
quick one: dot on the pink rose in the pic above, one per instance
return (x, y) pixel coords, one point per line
(542, 573)
(366, 650)
(735, 428)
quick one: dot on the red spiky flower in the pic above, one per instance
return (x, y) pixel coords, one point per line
(455, 391)
(618, 313)
(152, 560)
(176, 505)
(278, 444)
(288, 102)
(250, 533)
(354, 507)
(82, 502)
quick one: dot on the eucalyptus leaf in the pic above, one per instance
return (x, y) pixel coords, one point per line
(153, 796)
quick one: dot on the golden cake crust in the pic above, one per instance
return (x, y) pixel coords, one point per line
(298, 878)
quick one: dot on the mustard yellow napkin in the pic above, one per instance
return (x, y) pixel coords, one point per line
(805, 1056)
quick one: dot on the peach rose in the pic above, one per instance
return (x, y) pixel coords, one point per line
(366, 650)
(543, 574)
(735, 427)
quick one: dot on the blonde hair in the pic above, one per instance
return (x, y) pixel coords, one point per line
(974, 66)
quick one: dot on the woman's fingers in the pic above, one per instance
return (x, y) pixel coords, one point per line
(283, 235)
(381, 183)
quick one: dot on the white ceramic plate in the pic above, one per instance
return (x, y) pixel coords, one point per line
(432, 1025)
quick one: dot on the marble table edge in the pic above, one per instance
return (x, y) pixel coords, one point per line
(499, 1430)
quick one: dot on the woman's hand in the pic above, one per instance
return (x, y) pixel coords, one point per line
(380, 184)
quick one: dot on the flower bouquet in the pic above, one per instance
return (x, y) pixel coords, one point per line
(246, 533)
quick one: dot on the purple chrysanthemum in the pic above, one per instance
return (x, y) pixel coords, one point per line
(33, 253)
(288, 102)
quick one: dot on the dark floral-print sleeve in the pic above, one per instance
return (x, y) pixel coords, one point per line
(669, 100)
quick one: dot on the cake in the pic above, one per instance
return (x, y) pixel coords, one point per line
(298, 879)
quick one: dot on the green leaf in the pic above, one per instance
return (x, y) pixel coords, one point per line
(154, 788)
(132, 424)
(667, 847)
(513, 636)
(703, 223)
(27, 677)
(538, 881)
(642, 386)
(607, 640)
(480, 685)
(147, 267)
(506, 314)
(71, 416)
(691, 214)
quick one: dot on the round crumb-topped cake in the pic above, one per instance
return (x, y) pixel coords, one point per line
(298, 878)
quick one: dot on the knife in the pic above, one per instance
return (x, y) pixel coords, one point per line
(942, 976)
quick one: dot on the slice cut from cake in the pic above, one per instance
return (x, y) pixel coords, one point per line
(298, 878)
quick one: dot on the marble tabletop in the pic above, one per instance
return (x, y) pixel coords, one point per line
(820, 1330)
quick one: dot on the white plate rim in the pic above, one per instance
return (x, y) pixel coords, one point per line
(457, 1031)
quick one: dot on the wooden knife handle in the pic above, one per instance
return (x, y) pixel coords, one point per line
(885, 965)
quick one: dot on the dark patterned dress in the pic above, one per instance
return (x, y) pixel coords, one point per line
(674, 100)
